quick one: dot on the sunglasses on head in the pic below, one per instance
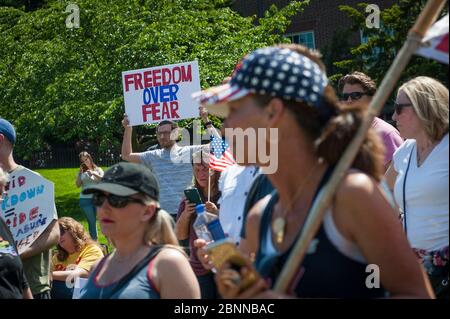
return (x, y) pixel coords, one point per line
(353, 95)
(399, 107)
(115, 201)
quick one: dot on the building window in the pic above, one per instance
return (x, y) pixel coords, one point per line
(377, 50)
(364, 39)
(305, 38)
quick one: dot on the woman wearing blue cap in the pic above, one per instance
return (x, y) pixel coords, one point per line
(147, 262)
(284, 88)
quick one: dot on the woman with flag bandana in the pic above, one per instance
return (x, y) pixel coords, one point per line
(285, 88)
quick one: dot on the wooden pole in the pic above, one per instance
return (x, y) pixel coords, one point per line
(322, 202)
(209, 184)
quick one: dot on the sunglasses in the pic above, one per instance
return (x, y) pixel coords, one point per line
(115, 201)
(353, 95)
(399, 107)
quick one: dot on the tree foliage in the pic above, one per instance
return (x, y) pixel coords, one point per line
(375, 57)
(60, 85)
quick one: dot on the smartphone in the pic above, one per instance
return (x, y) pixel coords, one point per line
(193, 196)
(225, 250)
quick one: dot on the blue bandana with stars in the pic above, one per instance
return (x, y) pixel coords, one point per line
(282, 73)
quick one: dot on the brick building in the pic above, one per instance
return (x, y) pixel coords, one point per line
(317, 24)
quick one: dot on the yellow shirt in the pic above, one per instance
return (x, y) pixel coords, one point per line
(85, 259)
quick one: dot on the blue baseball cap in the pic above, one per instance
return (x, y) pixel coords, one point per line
(274, 71)
(8, 130)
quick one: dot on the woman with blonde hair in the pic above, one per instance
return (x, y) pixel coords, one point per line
(76, 254)
(88, 174)
(419, 174)
(147, 262)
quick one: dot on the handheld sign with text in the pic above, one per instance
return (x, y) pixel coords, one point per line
(161, 93)
(28, 207)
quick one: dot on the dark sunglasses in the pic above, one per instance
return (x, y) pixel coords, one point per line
(115, 201)
(399, 107)
(353, 95)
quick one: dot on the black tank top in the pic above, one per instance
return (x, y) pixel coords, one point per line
(324, 273)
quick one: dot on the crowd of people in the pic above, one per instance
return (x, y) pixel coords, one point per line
(390, 208)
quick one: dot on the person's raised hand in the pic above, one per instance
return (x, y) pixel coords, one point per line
(203, 112)
(125, 121)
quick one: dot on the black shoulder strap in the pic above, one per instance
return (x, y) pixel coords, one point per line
(404, 190)
(144, 262)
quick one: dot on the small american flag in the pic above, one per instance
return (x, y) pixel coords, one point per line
(220, 158)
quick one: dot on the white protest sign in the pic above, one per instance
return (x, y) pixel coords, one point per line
(160, 93)
(28, 206)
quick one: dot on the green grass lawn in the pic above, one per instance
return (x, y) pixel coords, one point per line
(67, 195)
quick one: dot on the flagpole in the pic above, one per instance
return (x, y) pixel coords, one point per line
(209, 184)
(428, 15)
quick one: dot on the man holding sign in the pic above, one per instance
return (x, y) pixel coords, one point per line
(161, 95)
(171, 164)
(30, 216)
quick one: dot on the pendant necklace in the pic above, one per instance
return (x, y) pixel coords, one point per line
(279, 224)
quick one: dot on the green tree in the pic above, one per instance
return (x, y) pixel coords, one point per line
(375, 57)
(61, 86)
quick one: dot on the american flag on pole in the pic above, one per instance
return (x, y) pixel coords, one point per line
(435, 42)
(220, 157)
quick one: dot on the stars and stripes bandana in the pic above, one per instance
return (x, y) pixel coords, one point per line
(273, 71)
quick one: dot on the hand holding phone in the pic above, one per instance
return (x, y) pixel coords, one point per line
(224, 253)
(193, 196)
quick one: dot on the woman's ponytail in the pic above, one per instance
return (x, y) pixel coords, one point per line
(160, 229)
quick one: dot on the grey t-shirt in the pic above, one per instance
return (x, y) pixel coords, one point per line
(174, 172)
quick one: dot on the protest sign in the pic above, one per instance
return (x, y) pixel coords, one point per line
(161, 93)
(28, 206)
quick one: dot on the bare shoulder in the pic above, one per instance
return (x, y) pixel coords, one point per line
(256, 212)
(360, 204)
(252, 225)
(357, 186)
(170, 255)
